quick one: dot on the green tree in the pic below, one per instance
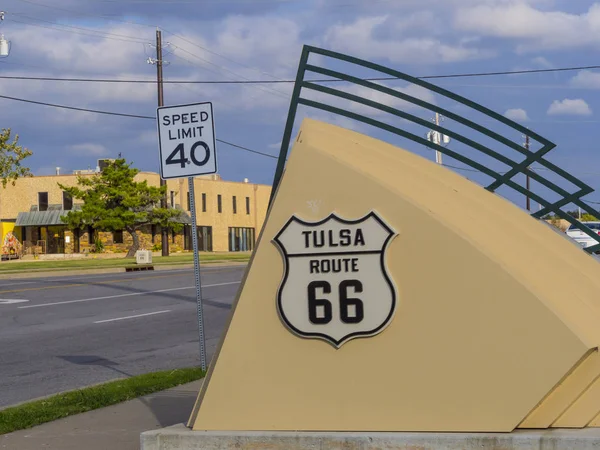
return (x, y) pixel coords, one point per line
(586, 217)
(11, 156)
(114, 201)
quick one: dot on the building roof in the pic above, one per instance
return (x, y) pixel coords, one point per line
(39, 218)
(52, 217)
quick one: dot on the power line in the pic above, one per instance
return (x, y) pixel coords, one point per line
(136, 116)
(101, 33)
(54, 105)
(247, 149)
(244, 79)
(217, 54)
(509, 72)
(81, 13)
(248, 81)
(112, 113)
(75, 32)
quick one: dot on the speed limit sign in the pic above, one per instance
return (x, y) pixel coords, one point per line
(186, 138)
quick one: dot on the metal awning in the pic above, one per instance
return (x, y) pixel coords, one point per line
(52, 217)
(40, 218)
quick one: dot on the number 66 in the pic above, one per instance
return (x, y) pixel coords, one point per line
(345, 302)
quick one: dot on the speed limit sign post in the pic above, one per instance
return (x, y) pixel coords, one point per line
(187, 148)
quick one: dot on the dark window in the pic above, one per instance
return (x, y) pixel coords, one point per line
(247, 205)
(234, 205)
(241, 239)
(187, 237)
(118, 237)
(189, 204)
(42, 201)
(67, 201)
(76, 236)
(204, 239)
(90, 231)
(219, 203)
(153, 231)
(172, 199)
(203, 202)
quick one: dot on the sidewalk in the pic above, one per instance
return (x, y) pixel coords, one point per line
(116, 427)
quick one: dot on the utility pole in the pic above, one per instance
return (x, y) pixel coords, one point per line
(438, 154)
(527, 174)
(438, 138)
(4, 44)
(159, 82)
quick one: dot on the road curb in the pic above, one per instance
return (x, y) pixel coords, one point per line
(66, 272)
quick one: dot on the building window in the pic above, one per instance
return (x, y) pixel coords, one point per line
(187, 237)
(241, 239)
(76, 243)
(118, 237)
(189, 204)
(90, 231)
(247, 205)
(234, 205)
(42, 201)
(204, 238)
(219, 203)
(203, 202)
(67, 201)
(172, 199)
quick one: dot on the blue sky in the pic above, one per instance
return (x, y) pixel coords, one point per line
(262, 39)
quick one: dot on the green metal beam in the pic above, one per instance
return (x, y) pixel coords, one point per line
(521, 166)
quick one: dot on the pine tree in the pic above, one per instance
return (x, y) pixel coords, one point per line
(114, 201)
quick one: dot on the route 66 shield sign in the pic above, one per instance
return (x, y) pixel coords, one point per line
(335, 285)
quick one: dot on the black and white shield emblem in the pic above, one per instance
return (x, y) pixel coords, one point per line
(336, 286)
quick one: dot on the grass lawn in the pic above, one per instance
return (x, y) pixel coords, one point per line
(91, 263)
(58, 406)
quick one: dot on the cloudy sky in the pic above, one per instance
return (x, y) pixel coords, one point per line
(226, 40)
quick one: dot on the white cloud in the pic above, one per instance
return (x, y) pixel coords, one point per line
(80, 52)
(586, 79)
(573, 107)
(361, 38)
(516, 114)
(375, 96)
(542, 62)
(276, 145)
(89, 149)
(269, 42)
(539, 29)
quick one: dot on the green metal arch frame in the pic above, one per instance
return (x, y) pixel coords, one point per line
(500, 179)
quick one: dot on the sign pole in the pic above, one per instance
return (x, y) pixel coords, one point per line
(187, 148)
(197, 273)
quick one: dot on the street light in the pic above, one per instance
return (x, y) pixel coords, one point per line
(4, 44)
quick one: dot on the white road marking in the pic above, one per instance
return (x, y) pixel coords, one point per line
(42, 305)
(6, 301)
(133, 317)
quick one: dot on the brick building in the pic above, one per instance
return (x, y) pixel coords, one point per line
(229, 216)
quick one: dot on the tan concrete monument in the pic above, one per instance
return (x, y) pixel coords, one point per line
(388, 293)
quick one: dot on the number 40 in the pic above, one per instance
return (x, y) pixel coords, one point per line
(345, 302)
(182, 160)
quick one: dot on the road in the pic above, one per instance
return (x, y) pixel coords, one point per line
(59, 334)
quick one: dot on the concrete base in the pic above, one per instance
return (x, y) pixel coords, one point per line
(179, 437)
